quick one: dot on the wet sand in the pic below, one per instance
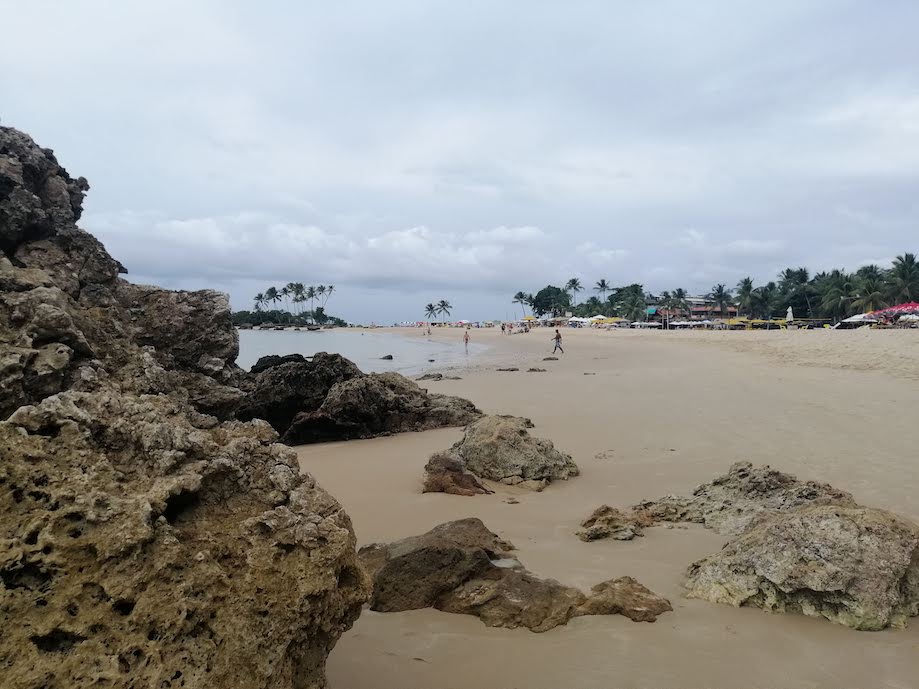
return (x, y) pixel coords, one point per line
(661, 413)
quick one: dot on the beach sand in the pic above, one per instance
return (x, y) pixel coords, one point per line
(661, 413)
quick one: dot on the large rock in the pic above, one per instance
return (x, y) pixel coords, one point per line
(462, 567)
(610, 522)
(500, 448)
(143, 543)
(377, 404)
(856, 566)
(730, 502)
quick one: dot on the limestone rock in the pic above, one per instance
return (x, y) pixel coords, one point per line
(446, 474)
(730, 502)
(377, 404)
(499, 448)
(272, 360)
(609, 522)
(625, 596)
(461, 567)
(856, 566)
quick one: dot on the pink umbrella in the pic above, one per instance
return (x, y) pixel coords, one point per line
(898, 310)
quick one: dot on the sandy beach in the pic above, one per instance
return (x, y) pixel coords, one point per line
(658, 413)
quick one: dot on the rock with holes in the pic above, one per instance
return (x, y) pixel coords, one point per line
(856, 566)
(500, 448)
(446, 474)
(143, 542)
(730, 502)
(625, 596)
(610, 522)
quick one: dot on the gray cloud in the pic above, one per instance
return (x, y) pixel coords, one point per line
(410, 151)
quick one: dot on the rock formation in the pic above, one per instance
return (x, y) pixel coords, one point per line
(730, 502)
(144, 543)
(609, 522)
(377, 404)
(499, 448)
(446, 474)
(856, 566)
(462, 567)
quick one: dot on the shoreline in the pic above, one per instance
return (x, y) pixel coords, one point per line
(660, 414)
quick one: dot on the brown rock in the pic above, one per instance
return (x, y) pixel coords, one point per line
(625, 596)
(446, 474)
(609, 522)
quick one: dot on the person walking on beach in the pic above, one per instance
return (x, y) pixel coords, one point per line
(466, 341)
(502, 328)
(558, 342)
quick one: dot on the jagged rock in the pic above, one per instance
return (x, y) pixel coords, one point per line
(609, 522)
(280, 391)
(431, 376)
(499, 448)
(731, 501)
(143, 543)
(377, 404)
(272, 360)
(446, 474)
(462, 567)
(536, 370)
(512, 598)
(856, 566)
(414, 572)
(625, 596)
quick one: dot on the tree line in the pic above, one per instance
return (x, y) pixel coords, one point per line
(294, 296)
(832, 295)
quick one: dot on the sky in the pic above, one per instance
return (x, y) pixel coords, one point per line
(408, 152)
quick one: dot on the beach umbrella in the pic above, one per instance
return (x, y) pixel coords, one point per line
(899, 309)
(789, 316)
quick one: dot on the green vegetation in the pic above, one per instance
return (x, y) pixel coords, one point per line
(833, 295)
(441, 308)
(295, 296)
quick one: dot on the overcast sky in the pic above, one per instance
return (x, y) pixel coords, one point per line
(414, 151)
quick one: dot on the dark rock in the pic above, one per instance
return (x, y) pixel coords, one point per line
(388, 357)
(377, 404)
(446, 474)
(550, 358)
(536, 370)
(511, 369)
(431, 376)
(272, 360)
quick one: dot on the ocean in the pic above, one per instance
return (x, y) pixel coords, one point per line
(411, 352)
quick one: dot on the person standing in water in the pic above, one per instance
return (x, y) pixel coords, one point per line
(558, 342)
(466, 341)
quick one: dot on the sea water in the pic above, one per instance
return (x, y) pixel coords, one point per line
(411, 351)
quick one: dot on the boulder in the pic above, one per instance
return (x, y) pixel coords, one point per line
(462, 567)
(856, 566)
(625, 596)
(386, 357)
(446, 474)
(730, 502)
(431, 376)
(609, 522)
(144, 543)
(272, 360)
(377, 404)
(499, 448)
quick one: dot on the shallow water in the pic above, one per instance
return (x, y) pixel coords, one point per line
(411, 352)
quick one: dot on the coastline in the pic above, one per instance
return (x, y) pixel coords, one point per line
(661, 413)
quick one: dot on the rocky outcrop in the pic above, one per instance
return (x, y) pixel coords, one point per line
(609, 522)
(377, 404)
(462, 567)
(856, 566)
(143, 543)
(446, 474)
(500, 448)
(730, 502)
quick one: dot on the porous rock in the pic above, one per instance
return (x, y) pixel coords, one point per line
(625, 596)
(500, 448)
(610, 522)
(856, 566)
(143, 543)
(731, 501)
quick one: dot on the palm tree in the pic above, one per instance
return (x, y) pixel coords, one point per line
(320, 294)
(795, 285)
(574, 286)
(722, 298)
(903, 279)
(633, 306)
(745, 295)
(520, 298)
(286, 291)
(310, 293)
(328, 293)
(271, 295)
(299, 295)
(259, 300)
(430, 311)
(837, 294)
(602, 287)
(678, 301)
(762, 300)
(443, 307)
